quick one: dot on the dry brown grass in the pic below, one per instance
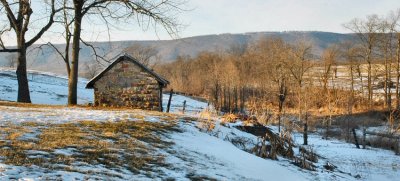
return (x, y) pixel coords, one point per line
(229, 118)
(126, 109)
(27, 105)
(128, 145)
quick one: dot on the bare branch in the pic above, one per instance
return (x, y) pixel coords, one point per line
(10, 15)
(10, 50)
(97, 56)
(47, 26)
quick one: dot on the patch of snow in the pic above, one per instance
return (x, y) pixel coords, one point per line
(369, 164)
(65, 152)
(220, 159)
(62, 115)
(193, 107)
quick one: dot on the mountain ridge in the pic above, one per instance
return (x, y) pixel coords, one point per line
(46, 59)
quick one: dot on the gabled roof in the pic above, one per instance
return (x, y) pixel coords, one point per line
(127, 57)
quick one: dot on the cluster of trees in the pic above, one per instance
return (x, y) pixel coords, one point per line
(70, 16)
(272, 74)
(378, 44)
(256, 75)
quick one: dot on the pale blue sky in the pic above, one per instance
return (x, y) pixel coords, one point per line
(240, 16)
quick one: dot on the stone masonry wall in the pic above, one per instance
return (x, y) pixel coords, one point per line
(127, 85)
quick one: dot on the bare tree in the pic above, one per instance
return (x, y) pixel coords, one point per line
(280, 74)
(275, 55)
(385, 52)
(19, 15)
(350, 52)
(329, 58)
(394, 22)
(146, 13)
(388, 31)
(367, 33)
(300, 65)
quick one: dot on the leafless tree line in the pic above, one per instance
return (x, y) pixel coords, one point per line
(257, 75)
(273, 74)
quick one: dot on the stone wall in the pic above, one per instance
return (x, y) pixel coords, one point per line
(127, 85)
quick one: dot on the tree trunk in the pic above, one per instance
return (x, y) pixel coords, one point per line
(225, 102)
(351, 102)
(23, 86)
(236, 109)
(369, 81)
(242, 99)
(361, 81)
(73, 76)
(305, 134)
(280, 115)
(216, 95)
(281, 97)
(385, 84)
(398, 72)
(229, 100)
(300, 102)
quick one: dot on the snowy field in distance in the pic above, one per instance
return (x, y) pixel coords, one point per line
(45, 88)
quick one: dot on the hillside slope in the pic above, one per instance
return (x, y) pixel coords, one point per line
(46, 59)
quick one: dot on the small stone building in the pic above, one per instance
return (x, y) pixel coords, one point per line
(128, 83)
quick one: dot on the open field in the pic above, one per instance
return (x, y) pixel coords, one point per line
(340, 78)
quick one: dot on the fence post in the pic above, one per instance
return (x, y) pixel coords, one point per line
(184, 107)
(169, 100)
(305, 134)
(355, 138)
(364, 137)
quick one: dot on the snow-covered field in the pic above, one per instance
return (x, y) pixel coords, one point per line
(45, 88)
(179, 148)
